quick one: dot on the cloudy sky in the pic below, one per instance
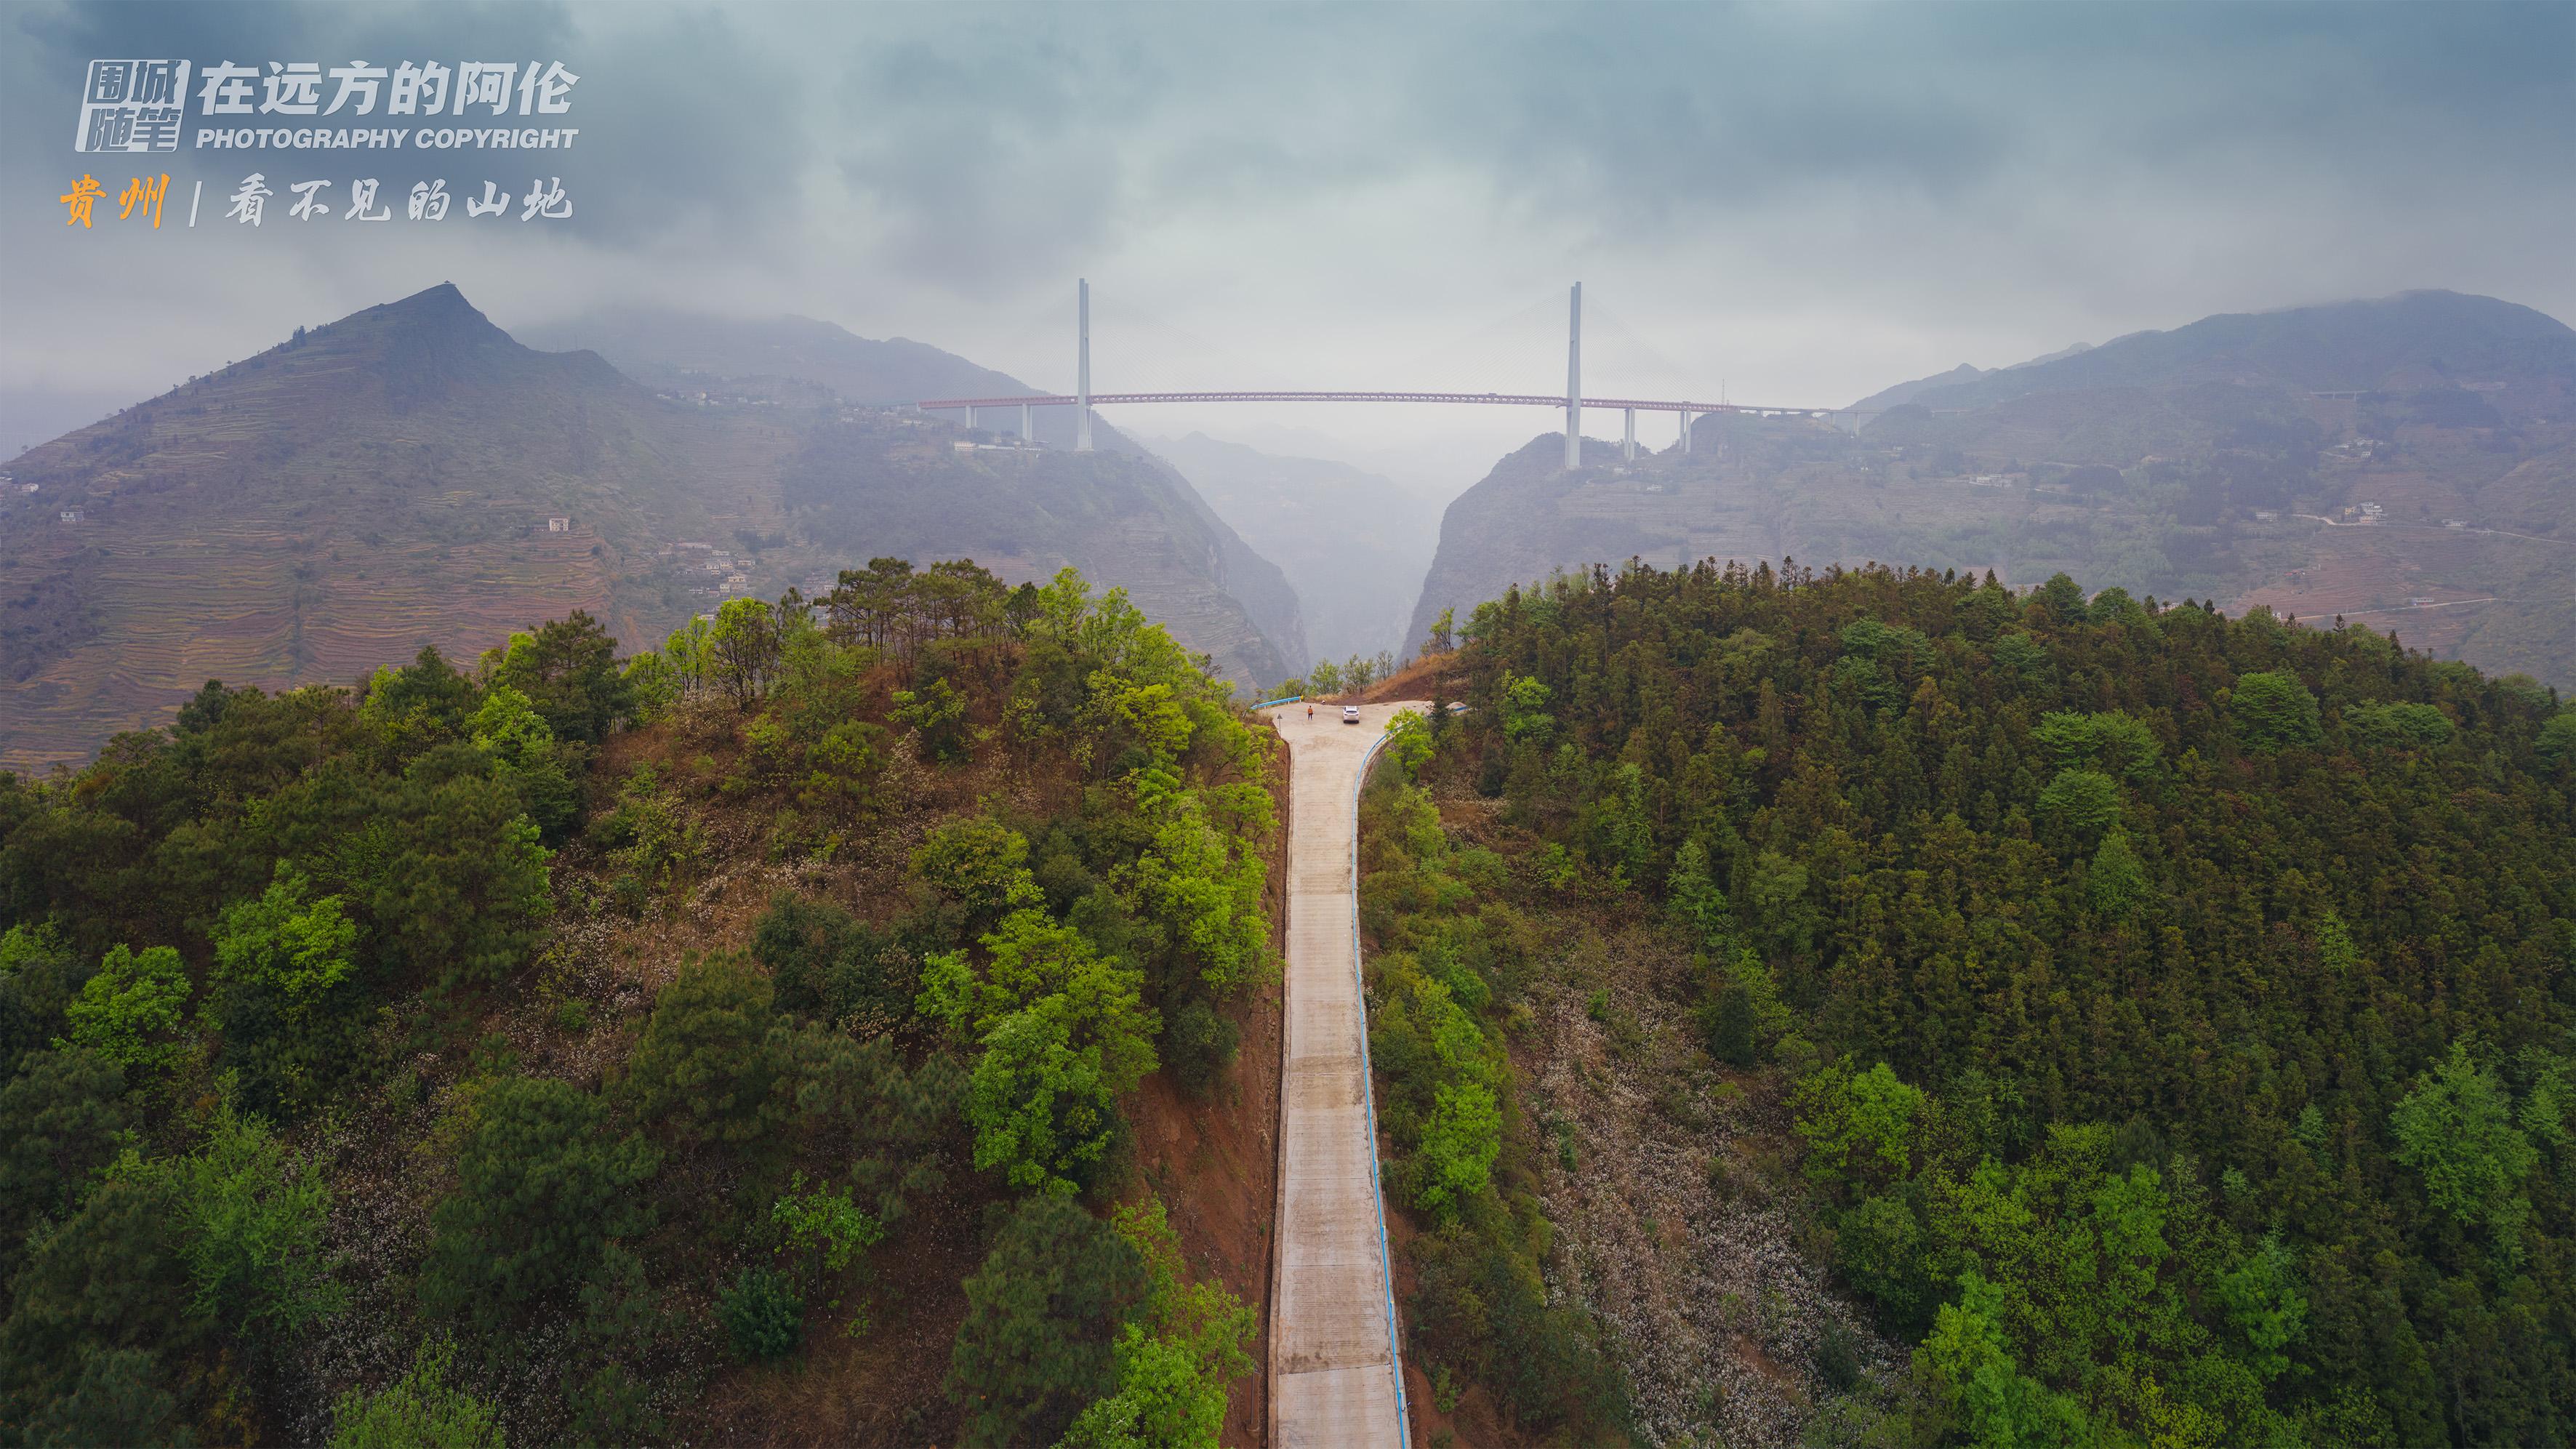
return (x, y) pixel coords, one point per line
(1799, 204)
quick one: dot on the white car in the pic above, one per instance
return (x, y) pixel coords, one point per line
(1350, 714)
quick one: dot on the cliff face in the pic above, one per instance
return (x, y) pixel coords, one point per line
(389, 481)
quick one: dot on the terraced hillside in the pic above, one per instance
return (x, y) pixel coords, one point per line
(2232, 460)
(389, 481)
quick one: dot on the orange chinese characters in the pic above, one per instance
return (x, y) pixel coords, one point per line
(83, 195)
(145, 193)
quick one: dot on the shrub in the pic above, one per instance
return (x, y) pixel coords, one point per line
(762, 1315)
(417, 1411)
(1198, 1045)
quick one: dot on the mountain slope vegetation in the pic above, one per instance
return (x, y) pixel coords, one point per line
(763, 1038)
(2162, 1023)
(2231, 459)
(388, 481)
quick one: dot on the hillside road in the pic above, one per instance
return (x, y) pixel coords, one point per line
(1332, 1347)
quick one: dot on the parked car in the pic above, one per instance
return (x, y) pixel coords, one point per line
(1350, 714)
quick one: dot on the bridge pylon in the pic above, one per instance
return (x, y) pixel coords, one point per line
(1574, 380)
(1082, 366)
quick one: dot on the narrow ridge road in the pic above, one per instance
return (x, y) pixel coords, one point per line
(1333, 1369)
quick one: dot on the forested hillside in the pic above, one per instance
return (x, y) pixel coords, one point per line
(794, 1034)
(2161, 1026)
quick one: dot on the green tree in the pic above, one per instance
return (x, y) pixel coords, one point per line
(39, 976)
(282, 992)
(567, 669)
(2273, 711)
(2108, 739)
(1525, 714)
(451, 872)
(525, 757)
(107, 1279)
(62, 1120)
(421, 705)
(420, 1410)
(2116, 884)
(2397, 726)
(762, 1314)
(2557, 741)
(743, 648)
(2456, 1130)
(1042, 1314)
(2081, 803)
(825, 1229)
(980, 863)
(127, 1010)
(1857, 1122)
(253, 1221)
(824, 962)
(286, 941)
(936, 714)
(120, 1398)
(1999, 1407)
(543, 1186)
(2264, 1304)
(1460, 1141)
(1408, 742)
(707, 1067)
(1696, 899)
(1042, 1107)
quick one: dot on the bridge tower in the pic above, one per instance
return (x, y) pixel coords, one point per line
(1574, 380)
(1082, 369)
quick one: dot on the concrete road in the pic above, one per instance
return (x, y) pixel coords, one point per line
(1333, 1369)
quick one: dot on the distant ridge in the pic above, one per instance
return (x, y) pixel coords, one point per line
(411, 474)
(2408, 462)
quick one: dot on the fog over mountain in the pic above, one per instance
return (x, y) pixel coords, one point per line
(1804, 202)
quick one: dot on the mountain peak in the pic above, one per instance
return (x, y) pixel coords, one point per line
(443, 305)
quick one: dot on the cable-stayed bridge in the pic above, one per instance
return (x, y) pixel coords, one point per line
(1572, 400)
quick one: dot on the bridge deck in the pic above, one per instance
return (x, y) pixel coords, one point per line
(1501, 399)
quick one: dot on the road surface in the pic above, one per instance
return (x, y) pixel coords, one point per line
(1332, 1347)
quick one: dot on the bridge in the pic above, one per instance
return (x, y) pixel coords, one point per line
(1572, 400)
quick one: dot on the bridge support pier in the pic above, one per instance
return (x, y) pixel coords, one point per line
(1686, 430)
(1028, 430)
(1628, 446)
(970, 417)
